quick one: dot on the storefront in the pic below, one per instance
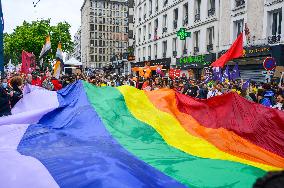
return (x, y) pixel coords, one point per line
(164, 63)
(251, 64)
(194, 65)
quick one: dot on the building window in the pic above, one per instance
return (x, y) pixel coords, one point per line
(239, 3)
(145, 11)
(211, 8)
(196, 41)
(165, 29)
(197, 10)
(144, 33)
(164, 49)
(239, 27)
(210, 36)
(165, 3)
(156, 50)
(157, 5)
(156, 23)
(149, 31)
(185, 14)
(149, 53)
(150, 7)
(144, 54)
(274, 35)
(175, 18)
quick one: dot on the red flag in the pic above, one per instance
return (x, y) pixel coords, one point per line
(235, 51)
(28, 62)
(174, 73)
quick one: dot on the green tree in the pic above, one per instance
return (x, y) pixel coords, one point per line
(31, 37)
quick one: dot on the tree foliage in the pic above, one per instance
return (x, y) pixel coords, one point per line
(31, 38)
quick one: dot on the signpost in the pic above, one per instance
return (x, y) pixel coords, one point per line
(182, 34)
(269, 64)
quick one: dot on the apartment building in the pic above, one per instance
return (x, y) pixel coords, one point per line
(104, 31)
(213, 25)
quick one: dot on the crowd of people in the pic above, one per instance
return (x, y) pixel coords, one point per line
(270, 95)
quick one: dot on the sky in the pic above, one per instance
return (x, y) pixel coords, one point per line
(16, 11)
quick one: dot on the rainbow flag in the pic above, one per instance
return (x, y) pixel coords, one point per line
(86, 136)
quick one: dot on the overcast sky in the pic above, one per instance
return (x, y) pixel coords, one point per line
(16, 11)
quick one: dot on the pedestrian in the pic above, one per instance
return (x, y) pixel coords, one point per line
(5, 95)
(17, 87)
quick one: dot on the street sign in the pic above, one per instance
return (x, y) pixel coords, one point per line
(269, 64)
(182, 34)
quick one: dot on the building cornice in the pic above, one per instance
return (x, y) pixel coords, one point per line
(272, 2)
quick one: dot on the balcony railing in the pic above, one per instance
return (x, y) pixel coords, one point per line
(197, 17)
(240, 3)
(211, 12)
(196, 49)
(165, 29)
(209, 47)
(174, 53)
(274, 39)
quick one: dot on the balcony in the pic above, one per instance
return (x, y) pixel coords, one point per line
(197, 17)
(211, 12)
(240, 3)
(165, 29)
(184, 52)
(274, 39)
(175, 24)
(174, 53)
(209, 47)
(164, 55)
(196, 50)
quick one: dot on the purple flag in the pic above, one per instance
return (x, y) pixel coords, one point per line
(217, 74)
(246, 85)
(226, 74)
(236, 73)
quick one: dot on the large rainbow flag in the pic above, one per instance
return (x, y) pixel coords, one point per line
(85, 136)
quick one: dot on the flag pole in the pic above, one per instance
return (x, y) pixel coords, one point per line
(1, 40)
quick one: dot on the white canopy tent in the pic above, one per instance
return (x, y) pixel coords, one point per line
(73, 62)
